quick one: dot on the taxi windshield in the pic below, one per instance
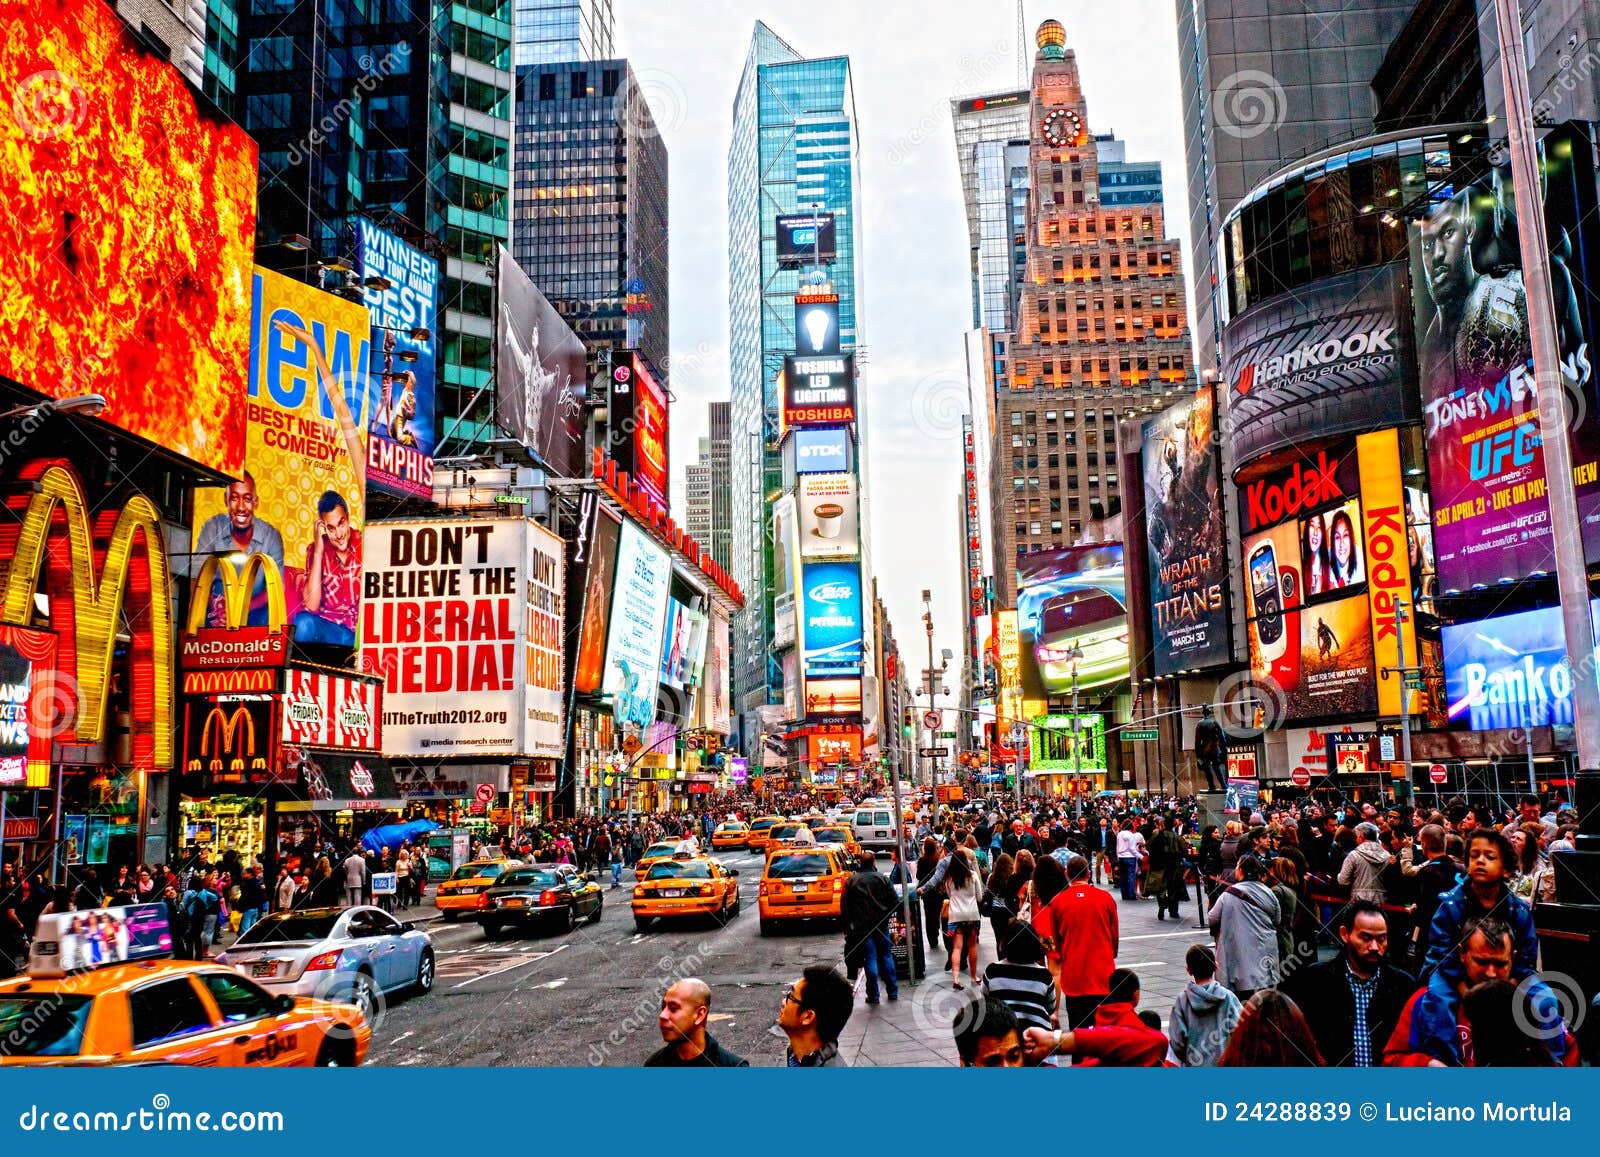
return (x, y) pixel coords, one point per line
(537, 877)
(660, 850)
(290, 927)
(679, 870)
(838, 835)
(788, 867)
(473, 871)
(763, 825)
(42, 1024)
(730, 828)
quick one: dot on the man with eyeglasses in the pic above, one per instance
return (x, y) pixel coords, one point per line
(814, 1013)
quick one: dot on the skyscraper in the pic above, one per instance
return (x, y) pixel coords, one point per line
(589, 220)
(794, 149)
(991, 149)
(178, 26)
(1099, 329)
(1264, 82)
(563, 31)
(222, 60)
(379, 111)
(717, 451)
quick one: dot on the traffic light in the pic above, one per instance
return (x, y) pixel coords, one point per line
(908, 726)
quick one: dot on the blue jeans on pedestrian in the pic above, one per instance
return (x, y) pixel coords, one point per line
(880, 961)
(1130, 876)
(247, 917)
(616, 873)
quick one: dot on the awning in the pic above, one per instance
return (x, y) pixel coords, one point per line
(335, 781)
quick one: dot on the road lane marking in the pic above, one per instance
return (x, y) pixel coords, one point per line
(531, 959)
(1167, 935)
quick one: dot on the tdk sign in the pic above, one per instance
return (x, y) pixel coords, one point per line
(822, 451)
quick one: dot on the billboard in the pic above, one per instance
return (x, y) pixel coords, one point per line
(400, 430)
(1055, 745)
(599, 562)
(1389, 549)
(816, 323)
(544, 577)
(785, 546)
(637, 425)
(1485, 453)
(129, 227)
(972, 541)
(1510, 671)
(806, 239)
(716, 695)
(829, 517)
(830, 617)
(841, 747)
(231, 739)
(541, 371)
(819, 391)
(301, 497)
(443, 616)
(27, 702)
(832, 697)
(1071, 598)
(328, 709)
(1187, 557)
(638, 614)
(1333, 357)
(821, 450)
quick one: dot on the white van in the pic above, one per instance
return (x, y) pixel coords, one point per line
(873, 824)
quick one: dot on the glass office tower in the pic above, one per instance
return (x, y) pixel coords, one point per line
(561, 31)
(794, 149)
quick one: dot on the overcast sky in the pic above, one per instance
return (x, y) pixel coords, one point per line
(908, 59)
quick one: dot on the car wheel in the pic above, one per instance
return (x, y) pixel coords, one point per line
(425, 972)
(642, 923)
(567, 921)
(768, 927)
(599, 910)
(491, 930)
(336, 1054)
(737, 904)
(364, 995)
(449, 917)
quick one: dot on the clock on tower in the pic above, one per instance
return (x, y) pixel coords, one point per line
(1063, 127)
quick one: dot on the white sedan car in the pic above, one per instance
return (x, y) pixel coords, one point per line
(345, 954)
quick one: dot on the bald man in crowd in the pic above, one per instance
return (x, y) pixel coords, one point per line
(685, 1008)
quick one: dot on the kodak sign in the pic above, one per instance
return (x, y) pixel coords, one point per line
(1311, 482)
(1383, 518)
(104, 569)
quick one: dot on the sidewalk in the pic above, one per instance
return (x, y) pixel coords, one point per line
(916, 1029)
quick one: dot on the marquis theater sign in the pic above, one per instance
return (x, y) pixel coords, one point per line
(104, 570)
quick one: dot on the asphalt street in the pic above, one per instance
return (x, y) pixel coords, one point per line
(591, 997)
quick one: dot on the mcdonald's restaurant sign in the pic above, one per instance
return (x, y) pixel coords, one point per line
(219, 634)
(104, 569)
(231, 739)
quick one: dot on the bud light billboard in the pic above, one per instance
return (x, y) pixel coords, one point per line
(1509, 671)
(831, 631)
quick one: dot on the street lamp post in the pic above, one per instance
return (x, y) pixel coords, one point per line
(927, 621)
(1018, 734)
(1073, 656)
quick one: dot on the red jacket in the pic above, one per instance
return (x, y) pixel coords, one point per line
(1082, 924)
(1404, 1049)
(1119, 1038)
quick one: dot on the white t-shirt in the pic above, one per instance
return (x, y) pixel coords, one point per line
(1130, 844)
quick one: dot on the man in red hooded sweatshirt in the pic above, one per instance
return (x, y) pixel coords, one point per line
(1118, 1037)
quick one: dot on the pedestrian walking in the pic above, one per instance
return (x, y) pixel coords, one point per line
(1244, 919)
(866, 908)
(1080, 929)
(1204, 1014)
(1364, 867)
(355, 878)
(1130, 854)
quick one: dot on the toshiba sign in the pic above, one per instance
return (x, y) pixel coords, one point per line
(1333, 357)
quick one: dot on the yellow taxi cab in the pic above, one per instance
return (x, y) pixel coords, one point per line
(756, 841)
(686, 887)
(655, 853)
(464, 891)
(789, 834)
(840, 838)
(732, 834)
(101, 990)
(800, 884)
